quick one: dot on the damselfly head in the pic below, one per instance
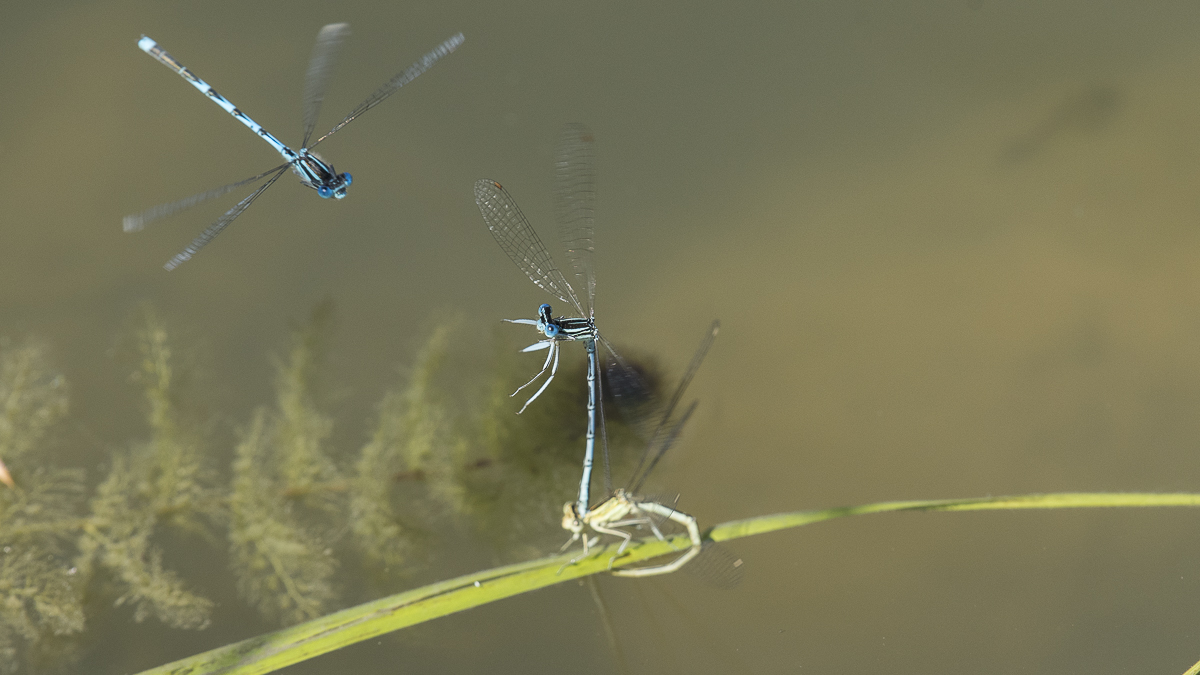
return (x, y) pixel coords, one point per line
(571, 521)
(335, 188)
(546, 323)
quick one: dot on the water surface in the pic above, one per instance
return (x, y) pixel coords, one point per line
(955, 248)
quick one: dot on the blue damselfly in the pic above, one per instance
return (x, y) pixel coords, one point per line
(312, 171)
(575, 206)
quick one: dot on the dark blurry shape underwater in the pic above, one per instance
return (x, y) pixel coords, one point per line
(162, 483)
(1087, 112)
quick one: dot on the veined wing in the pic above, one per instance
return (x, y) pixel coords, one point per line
(517, 237)
(655, 451)
(689, 374)
(575, 204)
(654, 418)
(136, 222)
(320, 69)
(213, 230)
(425, 63)
(717, 566)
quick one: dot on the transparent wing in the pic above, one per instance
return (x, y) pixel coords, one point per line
(603, 429)
(425, 63)
(636, 400)
(659, 448)
(717, 566)
(137, 222)
(213, 230)
(320, 69)
(688, 375)
(575, 204)
(653, 417)
(518, 239)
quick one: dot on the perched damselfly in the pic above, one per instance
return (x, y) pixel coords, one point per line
(575, 198)
(312, 171)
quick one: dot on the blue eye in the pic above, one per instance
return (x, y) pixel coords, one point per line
(346, 178)
(325, 192)
(550, 329)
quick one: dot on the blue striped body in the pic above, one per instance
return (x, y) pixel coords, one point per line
(579, 330)
(310, 169)
(563, 328)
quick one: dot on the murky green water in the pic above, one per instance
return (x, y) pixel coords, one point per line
(955, 248)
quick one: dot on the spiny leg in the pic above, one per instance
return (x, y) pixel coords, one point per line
(644, 520)
(628, 522)
(574, 538)
(693, 534)
(587, 545)
(554, 349)
(616, 533)
(654, 528)
(544, 344)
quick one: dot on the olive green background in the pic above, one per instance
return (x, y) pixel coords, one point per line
(955, 247)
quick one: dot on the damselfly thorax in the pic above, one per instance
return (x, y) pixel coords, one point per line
(320, 175)
(564, 328)
(555, 331)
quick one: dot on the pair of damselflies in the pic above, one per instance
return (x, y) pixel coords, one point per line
(575, 212)
(312, 171)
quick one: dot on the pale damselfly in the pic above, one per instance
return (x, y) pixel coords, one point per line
(312, 171)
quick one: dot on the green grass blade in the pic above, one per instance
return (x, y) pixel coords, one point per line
(1061, 500)
(270, 652)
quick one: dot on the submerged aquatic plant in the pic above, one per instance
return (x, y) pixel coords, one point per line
(156, 484)
(413, 438)
(441, 452)
(282, 567)
(285, 488)
(32, 398)
(40, 596)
